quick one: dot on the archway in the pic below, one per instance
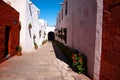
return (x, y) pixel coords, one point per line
(51, 36)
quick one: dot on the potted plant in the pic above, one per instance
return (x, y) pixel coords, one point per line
(30, 26)
(35, 45)
(18, 50)
(34, 36)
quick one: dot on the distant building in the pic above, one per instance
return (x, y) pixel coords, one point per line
(45, 29)
(93, 27)
(9, 30)
(30, 25)
(42, 32)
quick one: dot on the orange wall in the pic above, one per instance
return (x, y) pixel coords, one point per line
(7, 16)
(110, 61)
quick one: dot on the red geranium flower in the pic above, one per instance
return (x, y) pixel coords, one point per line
(80, 59)
(73, 56)
(74, 61)
(79, 55)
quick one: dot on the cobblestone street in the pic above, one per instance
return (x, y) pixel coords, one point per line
(40, 64)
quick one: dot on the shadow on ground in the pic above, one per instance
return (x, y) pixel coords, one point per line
(59, 54)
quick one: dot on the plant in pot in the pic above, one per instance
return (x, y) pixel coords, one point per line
(18, 50)
(30, 26)
(34, 36)
(35, 45)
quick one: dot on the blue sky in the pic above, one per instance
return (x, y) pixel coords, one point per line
(48, 9)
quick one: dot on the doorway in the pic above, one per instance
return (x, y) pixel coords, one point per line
(51, 36)
(7, 36)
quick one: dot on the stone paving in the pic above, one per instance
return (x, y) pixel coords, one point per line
(41, 64)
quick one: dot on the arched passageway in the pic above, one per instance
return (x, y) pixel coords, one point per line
(51, 36)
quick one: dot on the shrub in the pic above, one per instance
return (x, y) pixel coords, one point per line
(79, 62)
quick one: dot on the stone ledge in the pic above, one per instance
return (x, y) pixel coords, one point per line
(80, 76)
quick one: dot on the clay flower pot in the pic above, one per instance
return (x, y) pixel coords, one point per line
(35, 45)
(18, 53)
(18, 50)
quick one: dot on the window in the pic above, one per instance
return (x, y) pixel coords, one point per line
(30, 9)
(38, 11)
(62, 14)
(29, 27)
(66, 7)
(65, 34)
(62, 34)
(40, 34)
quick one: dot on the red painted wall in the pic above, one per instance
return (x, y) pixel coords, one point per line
(110, 61)
(9, 31)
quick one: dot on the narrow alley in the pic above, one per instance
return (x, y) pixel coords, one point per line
(41, 64)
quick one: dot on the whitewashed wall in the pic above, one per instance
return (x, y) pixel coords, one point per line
(49, 29)
(44, 26)
(29, 13)
(32, 18)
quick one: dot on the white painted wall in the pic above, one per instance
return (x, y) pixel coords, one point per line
(29, 13)
(44, 26)
(32, 14)
(49, 29)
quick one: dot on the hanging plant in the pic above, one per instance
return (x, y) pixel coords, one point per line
(44, 33)
(30, 26)
(34, 36)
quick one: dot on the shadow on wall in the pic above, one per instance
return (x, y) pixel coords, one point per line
(51, 36)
